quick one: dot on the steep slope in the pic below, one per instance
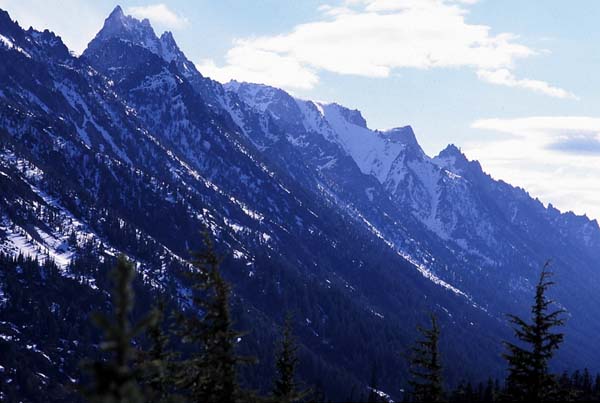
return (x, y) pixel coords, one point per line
(304, 145)
(477, 235)
(128, 149)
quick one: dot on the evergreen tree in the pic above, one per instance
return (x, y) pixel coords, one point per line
(425, 366)
(586, 386)
(489, 394)
(528, 377)
(596, 389)
(116, 380)
(497, 389)
(159, 359)
(285, 388)
(469, 393)
(566, 389)
(460, 393)
(210, 374)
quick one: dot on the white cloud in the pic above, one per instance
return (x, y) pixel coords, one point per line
(373, 37)
(245, 63)
(391, 5)
(159, 14)
(556, 158)
(506, 77)
(547, 127)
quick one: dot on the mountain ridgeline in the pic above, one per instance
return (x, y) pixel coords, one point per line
(129, 149)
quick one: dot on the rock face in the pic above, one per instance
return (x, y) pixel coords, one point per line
(128, 148)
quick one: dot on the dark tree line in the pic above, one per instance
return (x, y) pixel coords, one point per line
(529, 378)
(209, 370)
(190, 354)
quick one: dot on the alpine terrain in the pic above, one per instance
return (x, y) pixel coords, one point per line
(128, 148)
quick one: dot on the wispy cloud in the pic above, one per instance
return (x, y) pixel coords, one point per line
(371, 38)
(556, 158)
(545, 130)
(159, 14)
(506, 77)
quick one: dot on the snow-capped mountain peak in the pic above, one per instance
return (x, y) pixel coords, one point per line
(259, 96)
(352, 116)
(375, 152)
(125, 27)
(405, 136)
(137, 32)
(115, 20)
(453, 159)
(123, 32)
(170, 50)
(450, 157)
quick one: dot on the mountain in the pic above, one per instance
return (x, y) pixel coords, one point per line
(128, 148)
(445, 213)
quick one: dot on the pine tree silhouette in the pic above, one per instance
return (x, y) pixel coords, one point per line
(210, 374)
(116, 380)
(159, 360)
(528, 376)
(285, 389)
(425, 366)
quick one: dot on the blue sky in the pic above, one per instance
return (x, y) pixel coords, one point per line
(513, 83)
